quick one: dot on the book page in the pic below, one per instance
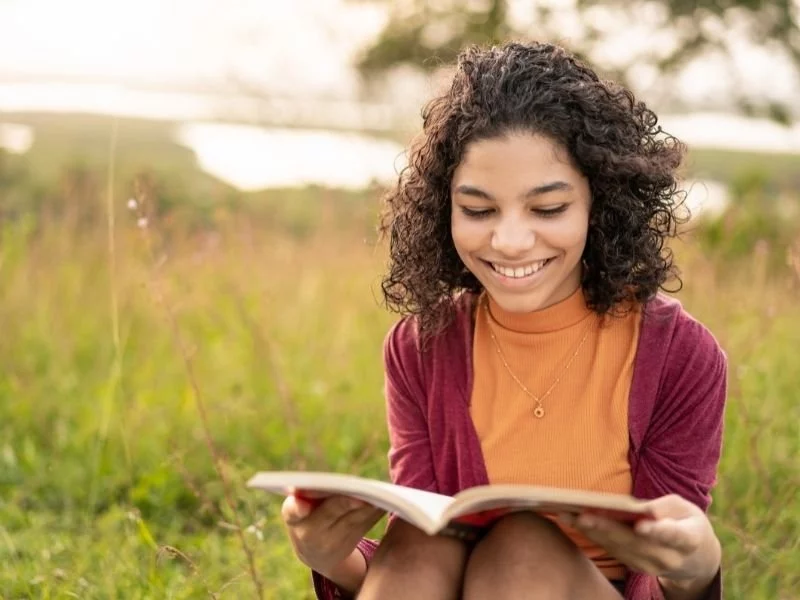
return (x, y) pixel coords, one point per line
(423, 509)
(498, 499)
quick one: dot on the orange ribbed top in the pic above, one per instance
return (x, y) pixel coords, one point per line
(582, 441)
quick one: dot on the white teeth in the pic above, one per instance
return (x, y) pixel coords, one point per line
(519, 272)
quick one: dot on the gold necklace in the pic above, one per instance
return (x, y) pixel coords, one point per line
(538, 411)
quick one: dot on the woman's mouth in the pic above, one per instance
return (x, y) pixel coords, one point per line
(521, 271)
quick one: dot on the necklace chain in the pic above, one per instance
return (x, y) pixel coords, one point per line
(538, 411)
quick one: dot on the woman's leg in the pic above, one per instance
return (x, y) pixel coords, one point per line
(526, 556)
(411, 564)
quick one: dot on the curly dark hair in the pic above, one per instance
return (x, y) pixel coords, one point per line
(612, 138)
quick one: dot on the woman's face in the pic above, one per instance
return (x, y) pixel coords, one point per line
(520, 218)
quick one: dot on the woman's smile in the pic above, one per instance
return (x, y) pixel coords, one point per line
(521, 275)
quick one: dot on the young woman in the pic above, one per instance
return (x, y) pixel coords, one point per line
(528, 248)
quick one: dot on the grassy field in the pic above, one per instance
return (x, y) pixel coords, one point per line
(265, 317)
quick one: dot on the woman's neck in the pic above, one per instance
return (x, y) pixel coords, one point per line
(561, 315)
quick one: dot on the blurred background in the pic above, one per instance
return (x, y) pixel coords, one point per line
(190, 273)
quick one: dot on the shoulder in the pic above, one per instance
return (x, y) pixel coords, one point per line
(680, 372)
(677, 418)
(405, 336)
(669, 331)
(680, 369)
(406, 349)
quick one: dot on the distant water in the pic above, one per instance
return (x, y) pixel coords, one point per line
(713, 130)
(706, 197)
(251, 158)
(701, 130)
(16, 138)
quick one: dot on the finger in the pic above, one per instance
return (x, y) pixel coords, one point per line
(362, 518)
(672, 506)
(294, 510)
(664, 533)
(312, 494)
(637, 551)
(598, 531)
(638, 554)
(331, 510)
(617, 537)
(349, 528)
(605, 529)
(669, 532)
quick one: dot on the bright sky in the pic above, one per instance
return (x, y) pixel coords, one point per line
(295, 45)
(290, 47)
(289, 43)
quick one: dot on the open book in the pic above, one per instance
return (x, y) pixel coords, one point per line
(434, 513)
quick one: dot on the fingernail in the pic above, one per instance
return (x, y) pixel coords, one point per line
(302, 507)
(356, 503)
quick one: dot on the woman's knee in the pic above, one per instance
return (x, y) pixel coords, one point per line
(406, 545)
(406, 549)
(530, 536)
(522, 552)
(409, 561)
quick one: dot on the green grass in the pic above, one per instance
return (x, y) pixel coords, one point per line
(92, 459)
(107, 486)
(781, 170)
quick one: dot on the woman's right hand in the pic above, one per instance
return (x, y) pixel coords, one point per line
(324, 537)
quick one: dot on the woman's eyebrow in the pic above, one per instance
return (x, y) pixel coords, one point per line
(469, 190)
(553, 186)
(539, 190)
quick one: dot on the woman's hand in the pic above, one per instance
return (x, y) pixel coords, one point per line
(324, 537)
(679, 545)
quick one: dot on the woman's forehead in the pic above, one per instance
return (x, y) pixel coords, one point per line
(517, 155)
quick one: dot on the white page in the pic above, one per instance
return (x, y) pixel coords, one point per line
(424, 509)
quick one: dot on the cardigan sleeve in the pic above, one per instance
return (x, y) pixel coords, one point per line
(681, 447)
(410, 457)
(325, 589)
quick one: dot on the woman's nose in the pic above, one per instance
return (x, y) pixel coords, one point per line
(512, 237)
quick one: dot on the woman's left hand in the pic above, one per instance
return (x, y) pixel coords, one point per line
(678, 545)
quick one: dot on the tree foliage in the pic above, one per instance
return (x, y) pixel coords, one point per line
(428, 33)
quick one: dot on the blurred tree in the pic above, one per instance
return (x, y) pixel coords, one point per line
(428, 33)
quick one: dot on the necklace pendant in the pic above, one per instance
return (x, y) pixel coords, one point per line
(538, 412)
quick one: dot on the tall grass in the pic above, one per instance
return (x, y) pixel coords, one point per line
(103, 460)
(108, 488)
(107, 485)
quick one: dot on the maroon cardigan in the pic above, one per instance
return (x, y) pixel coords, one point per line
(675, 415)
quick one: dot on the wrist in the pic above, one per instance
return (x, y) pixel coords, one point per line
(696, 586)
(687, 589)
(348, 574)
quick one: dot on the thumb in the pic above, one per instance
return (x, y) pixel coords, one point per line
(672, 506)
(294, 510)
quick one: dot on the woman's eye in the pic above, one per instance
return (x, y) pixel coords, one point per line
(550, 212)
(478, 213)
